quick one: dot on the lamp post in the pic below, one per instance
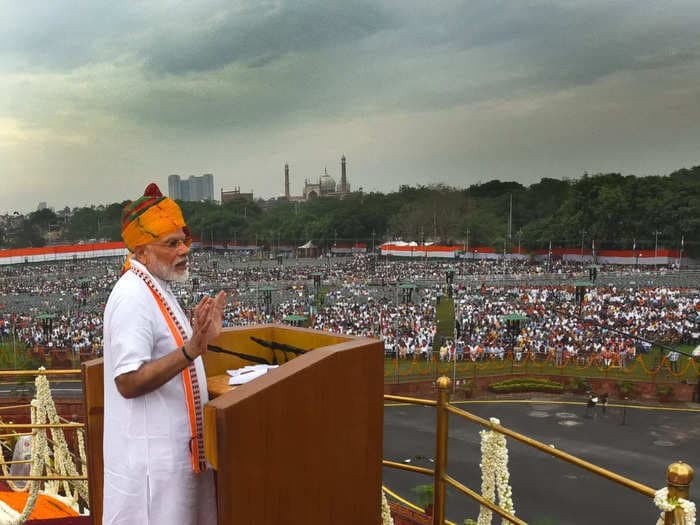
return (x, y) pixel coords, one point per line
(656, 248)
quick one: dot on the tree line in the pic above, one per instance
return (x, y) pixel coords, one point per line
(613, 210)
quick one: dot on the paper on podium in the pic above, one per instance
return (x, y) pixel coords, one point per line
(241, 376)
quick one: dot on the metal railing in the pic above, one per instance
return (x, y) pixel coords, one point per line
(679, 475)
(64, 425)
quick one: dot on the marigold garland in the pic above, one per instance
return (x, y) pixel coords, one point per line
(46, 507)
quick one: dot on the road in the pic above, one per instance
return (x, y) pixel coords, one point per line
(66, 389)
(546, 490)
(636, 442)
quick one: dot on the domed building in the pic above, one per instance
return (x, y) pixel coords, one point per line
(327, 183)
(326, 187)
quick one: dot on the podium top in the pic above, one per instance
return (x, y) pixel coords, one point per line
(218, 385)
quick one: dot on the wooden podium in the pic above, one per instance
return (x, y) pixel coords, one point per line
(299, 445)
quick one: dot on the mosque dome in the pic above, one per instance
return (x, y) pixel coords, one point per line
(327, 183)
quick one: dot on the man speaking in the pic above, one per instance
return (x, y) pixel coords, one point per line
(155, 472)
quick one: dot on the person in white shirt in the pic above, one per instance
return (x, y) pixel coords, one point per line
(155, 472)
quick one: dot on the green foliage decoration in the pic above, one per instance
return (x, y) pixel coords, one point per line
(579, 384)
(664, 390)
(625, 387)
(424, 494)
(526, 385)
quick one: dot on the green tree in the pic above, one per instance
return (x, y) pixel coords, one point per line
(84, 224)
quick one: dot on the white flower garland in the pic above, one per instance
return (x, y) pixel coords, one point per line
(495, 476)
(39, 446)
(386, 512)
(669, 505)
(63, 462)
(81, 452)
(43, 411)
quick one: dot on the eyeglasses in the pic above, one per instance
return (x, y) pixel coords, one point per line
(174, 244)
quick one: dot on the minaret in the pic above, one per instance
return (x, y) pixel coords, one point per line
(343, 176)
(286, 180)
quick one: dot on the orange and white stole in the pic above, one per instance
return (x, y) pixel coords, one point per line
(189, 376)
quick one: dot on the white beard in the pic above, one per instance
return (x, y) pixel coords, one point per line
(169, 274)
(181, 277)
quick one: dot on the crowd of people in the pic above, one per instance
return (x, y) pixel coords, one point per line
(608, 324)
(58, 305)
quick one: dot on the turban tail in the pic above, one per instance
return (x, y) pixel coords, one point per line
(150, 217)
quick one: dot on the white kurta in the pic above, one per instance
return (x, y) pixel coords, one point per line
(148, 477)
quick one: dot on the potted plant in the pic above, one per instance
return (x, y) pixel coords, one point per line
(579, 385)
(626, 388)
(424, 495)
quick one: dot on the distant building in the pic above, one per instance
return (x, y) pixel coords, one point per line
(286, 181)
(194, 189)
(41, 206)
(344, 185)
(325, 187)
(235, 195)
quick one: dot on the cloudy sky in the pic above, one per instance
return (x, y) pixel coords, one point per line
(97, 98)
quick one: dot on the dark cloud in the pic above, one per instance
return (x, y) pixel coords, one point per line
(56, 36)
(555, 45)
(264, 33)
(489, 87)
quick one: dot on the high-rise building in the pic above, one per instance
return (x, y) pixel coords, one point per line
(193, 189)
(174, 187)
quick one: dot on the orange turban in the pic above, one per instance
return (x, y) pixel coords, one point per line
(150, 217)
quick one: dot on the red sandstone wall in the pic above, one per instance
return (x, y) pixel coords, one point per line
(405, 516)
(643, 391)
